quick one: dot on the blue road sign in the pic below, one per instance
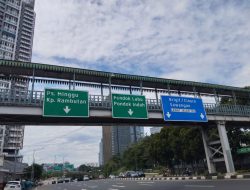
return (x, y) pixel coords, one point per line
(177, 108)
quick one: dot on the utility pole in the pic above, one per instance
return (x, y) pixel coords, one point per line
(15, 165)
(33, 169)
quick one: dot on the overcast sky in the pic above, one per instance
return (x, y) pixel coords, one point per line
(198, 40)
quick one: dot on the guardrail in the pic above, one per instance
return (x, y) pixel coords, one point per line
(35, 99)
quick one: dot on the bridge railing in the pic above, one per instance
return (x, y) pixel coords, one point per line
(21, 97)
(227, 109)
(35, 98)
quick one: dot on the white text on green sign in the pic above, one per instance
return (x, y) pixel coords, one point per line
(129, 106)
(65, 103)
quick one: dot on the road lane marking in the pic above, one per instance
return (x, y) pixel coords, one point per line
(119, 186)
(200, 186)
(146, 185)
(145, 182)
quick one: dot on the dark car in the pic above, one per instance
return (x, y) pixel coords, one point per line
(140, 174)
(187, 172)
(60, 181)
(131, 174)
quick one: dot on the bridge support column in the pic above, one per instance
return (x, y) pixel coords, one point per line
(225, 147)
(208, 152)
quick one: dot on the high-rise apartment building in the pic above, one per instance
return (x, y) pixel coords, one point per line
(117, 139)
(17, 23)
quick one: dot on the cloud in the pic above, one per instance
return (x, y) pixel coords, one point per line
(173, 39)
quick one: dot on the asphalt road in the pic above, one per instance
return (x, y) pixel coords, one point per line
(151, 185)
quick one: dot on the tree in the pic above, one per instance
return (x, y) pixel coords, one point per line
(112, 166)
(84, 168)
(38, 171)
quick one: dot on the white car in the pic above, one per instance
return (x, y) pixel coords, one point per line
(13, 185)
(112, 176)
(86, 178)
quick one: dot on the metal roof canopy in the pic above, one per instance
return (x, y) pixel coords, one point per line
(9, 67)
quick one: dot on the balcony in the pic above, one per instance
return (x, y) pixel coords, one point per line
(12, 13)
(16, 129)
(13, 5)
(12, 147)
(27, 30)
(6, 57)
(25, 42)
(31, 19)
(28, 26)
(12, 31)
(10, 22)
(8, 39)
(24, 37)
(15, 141)
(6, 48)
(16, 135)
(25, 53)
(26, 33)
(29, 13)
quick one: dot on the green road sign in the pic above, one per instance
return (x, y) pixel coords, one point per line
(243, 150)
(65, 103)
(129, 106)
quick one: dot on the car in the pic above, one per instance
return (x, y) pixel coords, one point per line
(80, 179)
(112, 176)
(13, 185)
(101, 176)
(53, 182)
(187, 172)
(131, 174)
(140, 174)
(66, 180)
(86, 178)
(121, 175)
(40, 183)
(60, 181)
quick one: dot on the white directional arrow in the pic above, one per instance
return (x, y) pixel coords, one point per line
(130, 112)
(67, 109)
(202, 116)
(168, 115)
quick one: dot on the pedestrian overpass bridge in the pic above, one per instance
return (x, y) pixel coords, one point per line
(27, 108)
(231, 105)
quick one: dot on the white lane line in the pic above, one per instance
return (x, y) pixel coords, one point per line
(146, 185)
(119, 186)
(113, 189)
(149, 182)
(200, 186)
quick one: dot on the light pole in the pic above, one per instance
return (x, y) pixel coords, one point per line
(15, 160)
(33, 168)
(63, 157)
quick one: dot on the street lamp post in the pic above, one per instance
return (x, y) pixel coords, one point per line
(33, 163)
(33, 171)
